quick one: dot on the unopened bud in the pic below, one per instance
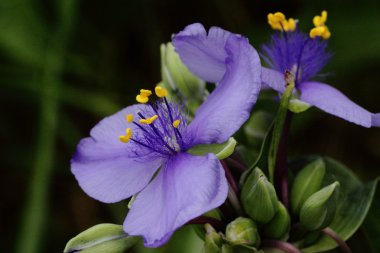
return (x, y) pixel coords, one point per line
(213, 240)
(242, 231)
(259, 197)
(320, 208)
(279, 226)
(307, 182)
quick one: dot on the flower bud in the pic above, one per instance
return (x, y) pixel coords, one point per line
(307, 182)
(259, 197)
(242, 231)
(279, 226)
(319, 210)
(101, 237)
(213, 240)
(178, 80)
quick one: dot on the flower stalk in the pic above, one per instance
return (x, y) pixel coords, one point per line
(281, 171)
(341, 243)
(284, 246)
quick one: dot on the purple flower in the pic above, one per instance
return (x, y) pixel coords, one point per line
(304, 55)
(150, 159)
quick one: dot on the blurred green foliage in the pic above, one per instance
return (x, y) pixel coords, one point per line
(65, 64)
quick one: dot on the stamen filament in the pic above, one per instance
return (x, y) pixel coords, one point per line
(157, 133)
(144, 145)
(177, 133)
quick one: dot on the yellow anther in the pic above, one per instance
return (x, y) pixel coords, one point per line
(320, 20)
(142, 99)
(160, 92)
(321, 31)
(148, 120)
(129, 118)
(278, 22)
(125, 138)
(291, 25)
(145, 93)
(176, 123)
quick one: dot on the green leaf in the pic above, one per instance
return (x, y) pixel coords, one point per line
(222, 151)
(278, 127)
(371, 225)
(353, 205)
(101, 238)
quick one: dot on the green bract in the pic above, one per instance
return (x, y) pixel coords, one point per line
(222, 151)
(101, 238)
(297, 106)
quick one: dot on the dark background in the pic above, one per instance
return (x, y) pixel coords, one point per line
(64, 65)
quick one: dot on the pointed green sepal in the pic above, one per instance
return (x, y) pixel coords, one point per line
(259, 197)
(222, 151)
(320, 208)
(279, 226)
(213, 240)
(101, 238)
(242, 231)
(307, 182)
(298, 106)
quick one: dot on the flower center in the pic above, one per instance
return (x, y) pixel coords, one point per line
(304, 55)
(158, 125)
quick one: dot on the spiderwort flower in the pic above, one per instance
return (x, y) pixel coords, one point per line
(304, 55)
(142, 148)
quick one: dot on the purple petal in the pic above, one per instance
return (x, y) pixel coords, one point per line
(185, 188)
(203, 54)
(107, 169)
(336, 103)
(230, 60)
(273, 79)
(376, 120)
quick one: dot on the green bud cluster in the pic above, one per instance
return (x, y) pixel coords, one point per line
(316, 205)
(241, 235)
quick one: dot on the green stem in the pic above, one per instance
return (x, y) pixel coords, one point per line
(35, 210)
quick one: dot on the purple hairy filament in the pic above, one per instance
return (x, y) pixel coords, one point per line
(296, 52)
(157, 129)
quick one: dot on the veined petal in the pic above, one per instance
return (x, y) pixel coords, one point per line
(336, 103)
(204, 54)
(114, 179)
(186, 187)
(273, 79)
(232, 62)
(107, 169)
